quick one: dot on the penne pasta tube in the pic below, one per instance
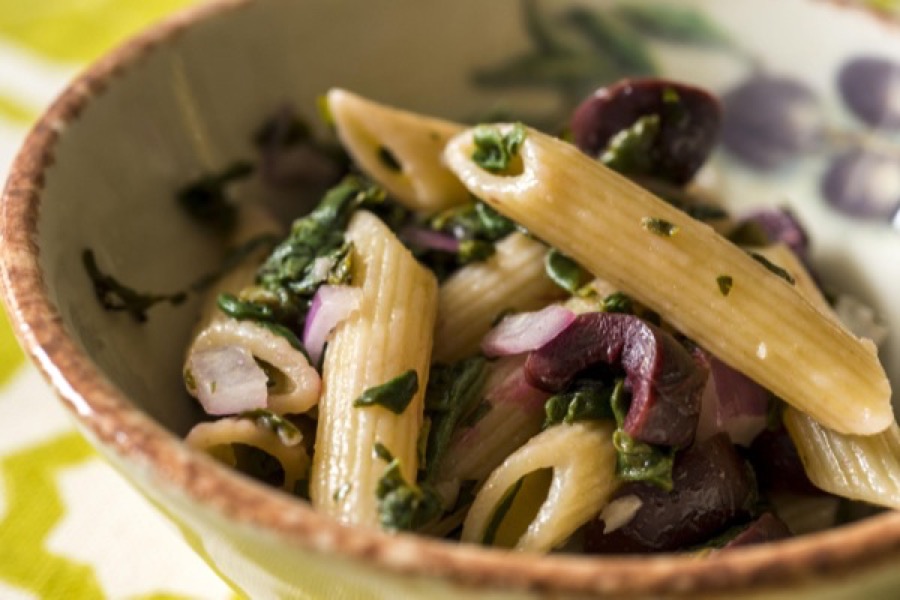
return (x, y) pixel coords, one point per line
(388, 336)
(220, 438)
(288, 384)
(583, 460)
(472, 298)
(400, 150)
(858, 467)
(853, 466)
(694, 278)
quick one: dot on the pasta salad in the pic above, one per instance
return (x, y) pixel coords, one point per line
(547, 343)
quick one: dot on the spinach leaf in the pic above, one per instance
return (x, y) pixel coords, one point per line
(317, 234)
(585, 400)
(495, 151)
(403, 506)
(452, 395)
(637, 461)
(394, 395)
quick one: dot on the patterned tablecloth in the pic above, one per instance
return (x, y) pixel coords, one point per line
(70, 526)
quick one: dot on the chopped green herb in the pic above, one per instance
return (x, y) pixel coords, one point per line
(381, 451)
(206, 199)
(772, 267)
(116, 296)
(453, 393)
(631, 151)
(618, 302)
(725, 282)
(394, 395)
(659, 227)
(286, 431)
(388, 159)
(585, 400)
(496, 151)
(637, 461)
(403, 506)
(563, 271)
(506, 502)
(671, 95)
(475, 220)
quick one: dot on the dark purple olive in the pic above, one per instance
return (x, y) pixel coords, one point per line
(781, 226)
(689, 120)
(665, 381)
(767, 528)
(863, 184)
(770, 120)
(777, 464)
(870, 87)
(713, 488)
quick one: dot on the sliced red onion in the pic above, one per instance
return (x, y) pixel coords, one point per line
(524, 332)
(226, 380)
(515, 389)
(331, 305)
(429, 239)
(733, 403)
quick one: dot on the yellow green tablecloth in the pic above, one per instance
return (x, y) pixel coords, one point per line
(70, 526)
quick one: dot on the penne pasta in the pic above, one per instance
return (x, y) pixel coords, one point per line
(583, 461)
(293, 385)
(398, 149)
(675, 266)
(472, 298)
(220, 438)
(857, 467)
(389, 335)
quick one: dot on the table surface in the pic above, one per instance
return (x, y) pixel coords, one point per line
(67, 518)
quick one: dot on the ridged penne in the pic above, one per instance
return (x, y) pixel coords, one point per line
(676, 266)
(853, 466)
(583, 460)
(472, 298)
(857, 467)
(218, 438)
(390, 334)
(398, 149)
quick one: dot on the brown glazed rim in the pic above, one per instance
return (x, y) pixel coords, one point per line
(108, 416)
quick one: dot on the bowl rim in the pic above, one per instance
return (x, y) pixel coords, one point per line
(105, 414)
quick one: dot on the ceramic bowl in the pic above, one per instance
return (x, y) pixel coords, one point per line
(102, 167)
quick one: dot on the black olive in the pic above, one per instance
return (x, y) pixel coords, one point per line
(688, 124)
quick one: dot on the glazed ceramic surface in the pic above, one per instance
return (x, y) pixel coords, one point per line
(102, 171)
